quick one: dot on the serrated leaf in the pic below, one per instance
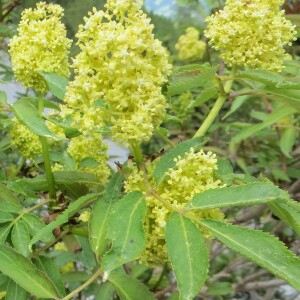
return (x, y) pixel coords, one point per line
(20, 237)
(7, 196)
(224, 171)
(288, 213)
(126, 231)
(287, 141)
(249, 194)
(56, 83)
(185, 78)
(275, 116)
(48, 266)
(236, 104)
(105, 292)
(15, 292)
(9, 207)
(5, 217)
(129, 288)
(63, 217)
(205, 95)
(188, 254)
(260, 247)
(167, 161)
(34, 225)
(98, 223)
(4, 231)
(29, 115)
(23, 272)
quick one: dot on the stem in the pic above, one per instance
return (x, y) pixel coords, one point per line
(88, 282)
(1, 11)
(217, 107)
(46, 156)
(165, 139)
(137, 153)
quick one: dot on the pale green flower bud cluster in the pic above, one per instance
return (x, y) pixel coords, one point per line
(193, 173)
(123, 65)
(84, 147)
(251, 33)
(26, 142)
(189, 46)
(182, 106)
(41, 45)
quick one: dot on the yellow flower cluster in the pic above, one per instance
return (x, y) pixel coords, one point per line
(41, 45)
(123, 65)
(26, 142)
(83, 147)
(189, 46)
(193, 173)
(251, 33)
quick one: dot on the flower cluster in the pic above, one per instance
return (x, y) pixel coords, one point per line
(251, 33)
(193, 173)
(85, 148)
(41, 45)
(182, 106)
(26, 142)
(189, 46)
(118, 74)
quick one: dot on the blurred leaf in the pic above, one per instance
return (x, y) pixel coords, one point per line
(260, 247)
(274, 117)
(20, 237)
(24, 273)
(28, 114)
(7, 196)
(280, 174)
(48, 266)
(98, 224)
(105, 291)
(236, 104)
(224, 171)
(64, 216)
(126, 231)
(205, 95)
(4, 231)
(219, 289)
(188, 254)
(5, 217)
(56, 83)
(75, 276)
(129, 288)
(15, 292)
(250, 194)
(287, 141)
(167, 161)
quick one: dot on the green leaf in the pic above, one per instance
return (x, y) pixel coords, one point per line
(75, 276)
(7, 196)
(129, 288)
(5, 217)
(205, 95)
(4, 231)
(287, 141)
(64, 217)
(47, 103)
(249, 194)
(9, 207)
(98, 223)
(48, 266)
(34, 225)
(23, 272)
(219, 289)
(105, 292)
(167, 161)
(274, 117)
(28, 114)
(288, 213)
(126, 231)
(20, 237)
(15, 292)
(224, 171)
(188, 254)
(190, 77)
(236, 104)
(56, 83)
(260, 247)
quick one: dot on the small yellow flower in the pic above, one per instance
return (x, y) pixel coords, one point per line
(41, 45)
(189, 46)
(251, 33)
(60, 246)
(2, 295)
(26, 142)
(84, 216)
(193, 173)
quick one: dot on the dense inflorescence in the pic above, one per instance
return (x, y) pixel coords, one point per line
(124, 66)
(41, 45)
(251, 33)
(189, 46)
(193, 173)
(26, 142)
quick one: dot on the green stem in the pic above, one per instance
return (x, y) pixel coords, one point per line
(165, 139)
(46, 156)
(137, 153)
(217, 107)
(88, 282)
